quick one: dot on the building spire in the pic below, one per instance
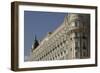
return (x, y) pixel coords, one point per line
(35, 43)
(35, 37)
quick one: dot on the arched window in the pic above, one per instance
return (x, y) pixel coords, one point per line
(71, 38)
(61, 53)
(58, 45)
(64, 51)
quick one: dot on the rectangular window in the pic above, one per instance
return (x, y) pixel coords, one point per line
(77, 23)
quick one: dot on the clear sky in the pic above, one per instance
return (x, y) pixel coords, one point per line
(39, 23)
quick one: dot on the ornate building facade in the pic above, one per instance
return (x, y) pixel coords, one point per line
(71, 40)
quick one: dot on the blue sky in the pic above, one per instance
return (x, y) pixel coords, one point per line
(39, 23)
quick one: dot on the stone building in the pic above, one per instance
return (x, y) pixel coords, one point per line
(71, 40)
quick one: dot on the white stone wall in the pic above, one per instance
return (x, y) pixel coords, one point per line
(61, 44)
